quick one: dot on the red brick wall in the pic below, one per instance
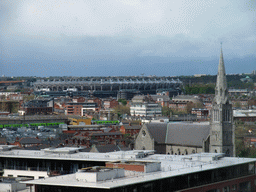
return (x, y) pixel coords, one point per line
(130, 167)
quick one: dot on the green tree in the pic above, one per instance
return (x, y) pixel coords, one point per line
(123, 101)
(121, 110)
(166, 111)
(28, 97)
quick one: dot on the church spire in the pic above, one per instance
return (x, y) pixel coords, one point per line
(222, 136)
(221, 91)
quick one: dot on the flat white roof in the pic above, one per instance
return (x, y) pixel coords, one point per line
(63, 154)
(171, 165)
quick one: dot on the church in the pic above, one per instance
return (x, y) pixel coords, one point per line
(181, 138)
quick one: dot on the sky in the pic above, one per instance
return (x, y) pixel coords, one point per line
(126, 37)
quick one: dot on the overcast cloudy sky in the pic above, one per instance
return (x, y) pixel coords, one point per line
(126, 37)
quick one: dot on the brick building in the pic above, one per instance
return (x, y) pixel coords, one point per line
(38, 106)
(110, 103)
(73, 108)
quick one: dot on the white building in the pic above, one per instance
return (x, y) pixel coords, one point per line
(144, 106)
(205, 172)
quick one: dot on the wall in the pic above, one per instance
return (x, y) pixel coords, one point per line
(129, 167)
(17, 173)
(182, 149)
(152, 167)
(99, 176)
(144, 142)
(86, 176)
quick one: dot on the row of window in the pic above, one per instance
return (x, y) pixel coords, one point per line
(243, 187)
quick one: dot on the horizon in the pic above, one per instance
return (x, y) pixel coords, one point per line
(123, 38)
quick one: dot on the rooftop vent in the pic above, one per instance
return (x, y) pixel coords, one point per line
(95, 174)
(63, 150)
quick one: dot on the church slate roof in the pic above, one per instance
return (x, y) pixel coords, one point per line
(187, 133)
(157, 131)
(190, 134)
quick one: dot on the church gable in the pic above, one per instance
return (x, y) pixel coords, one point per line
(144, 140)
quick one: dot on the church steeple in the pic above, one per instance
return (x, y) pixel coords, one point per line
(222, 137)
(221, 91)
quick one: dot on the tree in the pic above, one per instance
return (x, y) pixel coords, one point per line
(28, 97)
(166, 111)
(121, 110)
(2, 97)
(251, 102)
(10, 106)
(189, 107)
(238, 104)
(123, 101)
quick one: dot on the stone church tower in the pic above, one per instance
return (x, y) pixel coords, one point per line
(222, 135)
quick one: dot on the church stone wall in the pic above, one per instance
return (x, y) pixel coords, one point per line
(144, 140)
(182, 150)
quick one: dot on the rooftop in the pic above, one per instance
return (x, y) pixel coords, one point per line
(72, 153)
(171, 165)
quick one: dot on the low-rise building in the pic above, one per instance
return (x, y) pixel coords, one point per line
(144, 106)
(73, 108)
(163, 100)
(38, 106)
(245, 115)
(110, 103)
(131, 129)
(180, 102)
(204, 172)
(201, 113)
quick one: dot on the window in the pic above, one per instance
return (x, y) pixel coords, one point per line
(234, 187)
(144, 133)
(226, 189)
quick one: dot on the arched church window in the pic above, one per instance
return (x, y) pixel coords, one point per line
(220, 92)
(179, 151)
(143, 148)
(186, 151)
(172, 152)
(216, 151)
(193, 151)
